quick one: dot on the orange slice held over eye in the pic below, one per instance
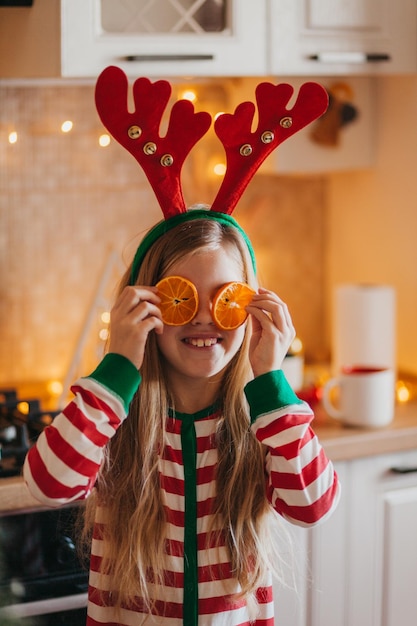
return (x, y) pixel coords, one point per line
(179, 300)
(229, 305)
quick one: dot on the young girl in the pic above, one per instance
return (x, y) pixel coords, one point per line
(187, 440)
(185, 463)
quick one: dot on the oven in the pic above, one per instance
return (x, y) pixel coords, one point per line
(43, 581)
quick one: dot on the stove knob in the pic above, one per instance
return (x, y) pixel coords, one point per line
(66, 551)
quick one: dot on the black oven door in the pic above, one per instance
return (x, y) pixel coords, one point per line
(41, 576)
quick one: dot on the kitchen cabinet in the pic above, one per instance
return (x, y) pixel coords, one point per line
(77, 38)
(239, 37)
(182, 38)
(343, 37)
(399, 602)
(363, 560)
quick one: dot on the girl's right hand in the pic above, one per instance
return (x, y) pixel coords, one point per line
(134, 315)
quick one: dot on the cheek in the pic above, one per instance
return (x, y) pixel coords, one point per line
(167, 338)
(237, 338)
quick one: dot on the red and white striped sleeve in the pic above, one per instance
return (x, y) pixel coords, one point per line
(63, 464)
(302, 483)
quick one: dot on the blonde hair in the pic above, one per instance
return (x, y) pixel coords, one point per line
(128, 485)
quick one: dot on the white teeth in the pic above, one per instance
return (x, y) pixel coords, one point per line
(202, 343)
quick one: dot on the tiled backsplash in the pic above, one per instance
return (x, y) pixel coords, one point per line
(68, 205)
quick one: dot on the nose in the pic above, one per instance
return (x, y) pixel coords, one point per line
(203, 315)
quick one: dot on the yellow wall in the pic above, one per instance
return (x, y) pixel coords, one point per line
(372, 227)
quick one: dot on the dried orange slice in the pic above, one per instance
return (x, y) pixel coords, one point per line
(228, 309)
(179, 300)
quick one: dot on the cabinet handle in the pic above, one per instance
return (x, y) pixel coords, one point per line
(403, 469)
(168, 57)
(349, 57)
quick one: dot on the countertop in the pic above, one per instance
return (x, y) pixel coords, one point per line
(340, 442)
(343, 443)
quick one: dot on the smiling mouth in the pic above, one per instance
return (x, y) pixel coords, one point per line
(201, 343)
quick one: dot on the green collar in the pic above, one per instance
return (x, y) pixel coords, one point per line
(209, 411)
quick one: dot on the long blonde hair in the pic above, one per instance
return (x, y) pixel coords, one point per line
(128, 484)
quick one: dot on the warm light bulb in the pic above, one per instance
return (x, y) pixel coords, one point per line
(296, 346)
(189, 94)
(103, 334)
(66, 126)
(105, 317)
(23, 407)
(104, 140)
(54, 387)
(219, 169)
(13, 137)
(403, 392)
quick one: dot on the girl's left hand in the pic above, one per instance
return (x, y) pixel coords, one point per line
(272, 332)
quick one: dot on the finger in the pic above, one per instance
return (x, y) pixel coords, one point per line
(263, 318)
(269, 295)
(265, 295)
(131, 342)
(131, 296)
(142, 311)
(277, 308)
(151, 323)
(270, 312)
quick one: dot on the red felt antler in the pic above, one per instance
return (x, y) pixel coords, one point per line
(245, 151)
(161, 158)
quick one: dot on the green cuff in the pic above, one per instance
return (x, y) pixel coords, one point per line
(119, 376)
(269, 392)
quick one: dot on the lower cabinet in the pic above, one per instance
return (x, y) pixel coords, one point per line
(359, 567)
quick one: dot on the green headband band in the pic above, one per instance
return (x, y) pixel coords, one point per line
(193, 214)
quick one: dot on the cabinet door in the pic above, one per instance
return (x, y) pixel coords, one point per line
(364, 558)
(164, 38)
(320, 555)
(323, 37)
(399, 598)
(291, 595)
(329, 555)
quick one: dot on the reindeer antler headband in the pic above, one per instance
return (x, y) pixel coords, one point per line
(162, 158)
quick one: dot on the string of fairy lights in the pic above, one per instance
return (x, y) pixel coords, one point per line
(103, 139)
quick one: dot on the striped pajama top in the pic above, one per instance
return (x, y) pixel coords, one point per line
(301, 486)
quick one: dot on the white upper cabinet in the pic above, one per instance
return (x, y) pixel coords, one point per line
(164, 37)
(192, 38)
(340, 37)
